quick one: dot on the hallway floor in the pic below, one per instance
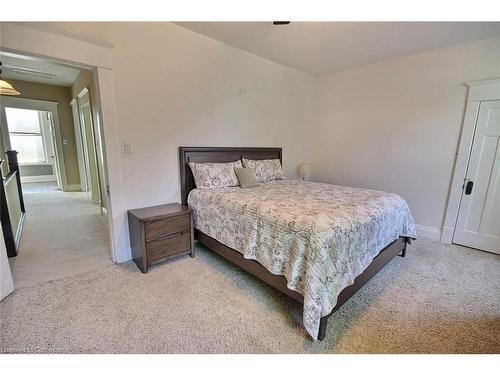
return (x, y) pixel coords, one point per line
(39, 187)
(64, 235)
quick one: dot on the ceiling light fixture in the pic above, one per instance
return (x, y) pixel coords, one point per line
(5, 87)
(279, 23)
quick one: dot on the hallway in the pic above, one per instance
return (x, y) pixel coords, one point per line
(64, 235)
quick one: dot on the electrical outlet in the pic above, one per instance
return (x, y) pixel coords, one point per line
(127, 147)
(65, 141)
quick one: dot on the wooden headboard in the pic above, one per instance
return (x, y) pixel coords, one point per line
(217, 155)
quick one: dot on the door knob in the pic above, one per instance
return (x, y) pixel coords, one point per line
(468, 187)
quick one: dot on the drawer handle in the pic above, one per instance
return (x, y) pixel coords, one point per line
(168, 236)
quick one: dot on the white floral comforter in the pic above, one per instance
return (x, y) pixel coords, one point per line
(319, 236)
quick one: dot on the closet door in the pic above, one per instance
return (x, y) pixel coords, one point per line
(478, 223)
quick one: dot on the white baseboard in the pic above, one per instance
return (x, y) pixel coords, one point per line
(42, 178)
(74, 187)
(428, 232)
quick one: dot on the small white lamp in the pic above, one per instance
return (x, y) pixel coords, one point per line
(304, 171)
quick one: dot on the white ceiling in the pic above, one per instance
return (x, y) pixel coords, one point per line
(320, 48)
(37, 71)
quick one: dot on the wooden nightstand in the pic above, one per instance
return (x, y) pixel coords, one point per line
(160, 233)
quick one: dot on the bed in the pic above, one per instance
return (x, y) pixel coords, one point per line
(317, 243)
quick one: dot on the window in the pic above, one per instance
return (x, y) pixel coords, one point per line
(26, 136)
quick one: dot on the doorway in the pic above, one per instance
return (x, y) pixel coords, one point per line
(66, 50)
(86, 147)
(32, 129)
(65, 231)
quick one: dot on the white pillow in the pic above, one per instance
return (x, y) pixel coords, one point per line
(215, 175)
(265, 170)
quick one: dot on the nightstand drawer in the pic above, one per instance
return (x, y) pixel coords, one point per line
(159, 233)
(160, 228)
(169, 245)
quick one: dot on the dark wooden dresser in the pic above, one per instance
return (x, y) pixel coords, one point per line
(160, 233)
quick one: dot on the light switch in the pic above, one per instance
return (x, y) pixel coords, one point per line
(127, 147)
(65, 141)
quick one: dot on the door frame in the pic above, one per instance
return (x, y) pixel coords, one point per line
(38, 105)
(479, 91)
(79, 145)
(82, 100)
(42, 44)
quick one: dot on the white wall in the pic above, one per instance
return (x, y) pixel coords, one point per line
(174, 88)
(6, 283)
(396, 125)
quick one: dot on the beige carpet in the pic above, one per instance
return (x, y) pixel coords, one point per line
(440, 299)
(64, 235)
(39, 187)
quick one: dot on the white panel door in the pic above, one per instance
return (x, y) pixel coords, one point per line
(52, 149)
(48, 142)
(478, 223)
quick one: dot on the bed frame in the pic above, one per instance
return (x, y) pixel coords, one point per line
(228, 154)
